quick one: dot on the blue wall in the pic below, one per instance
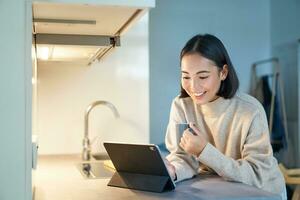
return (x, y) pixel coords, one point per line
(285, 33)
(15, 104)
(243, 26)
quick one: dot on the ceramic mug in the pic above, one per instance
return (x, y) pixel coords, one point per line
(180, 128)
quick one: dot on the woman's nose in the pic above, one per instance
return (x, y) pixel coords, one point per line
(195, 84)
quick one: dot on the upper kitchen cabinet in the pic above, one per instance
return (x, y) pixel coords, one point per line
(83, 31)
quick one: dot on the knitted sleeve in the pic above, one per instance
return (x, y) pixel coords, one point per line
(256, 164)
(186, 165)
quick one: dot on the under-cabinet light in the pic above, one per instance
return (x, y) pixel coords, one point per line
(43, 53)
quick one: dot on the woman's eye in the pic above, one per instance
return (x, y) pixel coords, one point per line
(185, 77)
(203, 77)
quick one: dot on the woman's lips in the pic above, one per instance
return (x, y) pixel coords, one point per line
(199, 94)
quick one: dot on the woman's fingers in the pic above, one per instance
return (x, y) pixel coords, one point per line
(194, 128)
(182, 142)
(193, 143)
(187, 135)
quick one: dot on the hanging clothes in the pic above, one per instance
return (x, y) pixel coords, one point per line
(264, 94)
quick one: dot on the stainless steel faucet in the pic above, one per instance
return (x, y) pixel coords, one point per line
(86, 152)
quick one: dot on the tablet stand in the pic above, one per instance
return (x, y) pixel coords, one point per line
(145, 182)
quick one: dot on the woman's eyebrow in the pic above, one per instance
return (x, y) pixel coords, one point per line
(200, 72)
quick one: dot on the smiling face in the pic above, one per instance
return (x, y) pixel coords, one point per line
(201, 78)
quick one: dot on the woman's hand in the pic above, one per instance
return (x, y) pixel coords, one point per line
(193, 143)
(171, 169)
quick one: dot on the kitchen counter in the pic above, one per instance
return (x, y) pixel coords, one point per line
(58, 178)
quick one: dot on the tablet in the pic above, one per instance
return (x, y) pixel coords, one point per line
(138, 166)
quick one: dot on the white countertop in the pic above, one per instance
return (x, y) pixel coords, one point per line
(58, 178)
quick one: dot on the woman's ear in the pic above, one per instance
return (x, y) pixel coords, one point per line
(224, 72)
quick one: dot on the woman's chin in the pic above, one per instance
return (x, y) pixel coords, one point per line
(203, 99)
(200, 100)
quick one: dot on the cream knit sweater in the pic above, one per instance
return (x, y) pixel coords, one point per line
(238, 146)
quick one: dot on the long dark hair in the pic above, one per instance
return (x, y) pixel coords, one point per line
(213, 49)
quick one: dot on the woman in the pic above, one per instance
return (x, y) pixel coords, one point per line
(228, 131)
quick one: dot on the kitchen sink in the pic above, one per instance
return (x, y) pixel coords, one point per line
(95, 168)
(100, 156)
(92, 170)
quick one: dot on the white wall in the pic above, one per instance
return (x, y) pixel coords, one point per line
(65, 90)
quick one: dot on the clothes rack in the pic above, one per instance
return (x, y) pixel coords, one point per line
(276, 83)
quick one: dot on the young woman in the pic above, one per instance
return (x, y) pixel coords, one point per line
(229, 130)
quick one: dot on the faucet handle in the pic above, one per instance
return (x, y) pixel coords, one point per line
(86, 142)
(86, 152)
